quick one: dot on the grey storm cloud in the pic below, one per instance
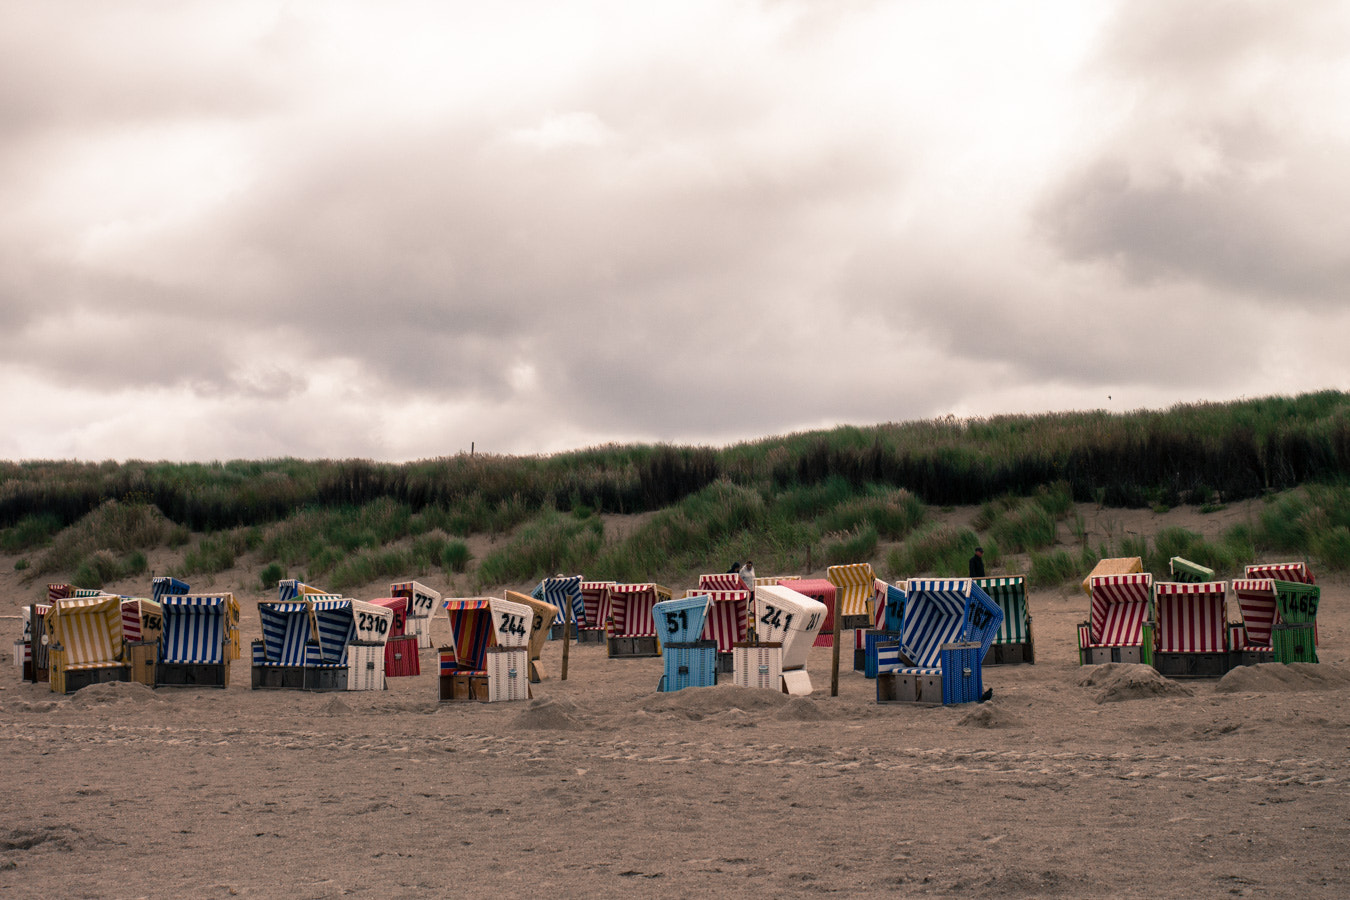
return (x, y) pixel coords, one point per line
(1217, 174)
(330, 229)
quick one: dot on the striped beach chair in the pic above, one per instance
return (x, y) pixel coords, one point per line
(31, 651)
(279, 657)
(632, 630)
(542, 618)
(1290, 581)
(1119, 626)
(487, 658)
(595, 597)
(350, 637)
(689, 661)
(854, 588)
(85, 642)
(563, 593)
(1014, 643)
(727, 620)
(401, 659)
(1191, 640)
(948, 626)
(793, 619)
(888, 604)
(195, 645)
(822, 591)
(162, 586)
(423, 602)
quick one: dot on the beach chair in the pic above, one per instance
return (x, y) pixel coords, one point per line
(1186, 572)
(487, 659)
(279, 657)
(423, 603)
(85, 642)
(542, 618)
(163, 586)
(1191, 640)
(1120, 625)
(854, 588)
(889, 604)
(822, 591)
(31, 651)
(689, 660)
(949, 625)
(401, 657)
(595, 598)
(350, 638)
(632, 631)
(1014, 643)
(792, 619)
(727, 620)
(564, 593)
(194, 647)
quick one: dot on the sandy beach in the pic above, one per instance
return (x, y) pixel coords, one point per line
(1073, 782)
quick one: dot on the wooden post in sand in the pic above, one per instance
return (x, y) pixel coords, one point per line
(567, 638)
(834, 669)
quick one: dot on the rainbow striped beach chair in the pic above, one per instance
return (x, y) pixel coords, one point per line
(488, 656)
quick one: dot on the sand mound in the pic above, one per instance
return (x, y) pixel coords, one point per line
(987, 715)
(113, 692)
(1130, 681)
(697, 702)
(335, 707)
(548, 713)
(1280, 678)
(799, 709)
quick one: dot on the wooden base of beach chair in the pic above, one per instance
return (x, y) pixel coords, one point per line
(873, 639)
(692, 664)
(325, 679)
(591, 636)
(1249, 656)
(278, 678)
(633, 647)
(82, 678)
(797, 683)
(401, 659)
(853, 623)
(897, 687)
(1098, 656)
(462, 688)
(365, 666)
(757, 665)
(141, 656)
(1191, 665)
(192, 675)
(1294, 643)
(1010, 655)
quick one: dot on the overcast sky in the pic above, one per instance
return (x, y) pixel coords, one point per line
(390, 229)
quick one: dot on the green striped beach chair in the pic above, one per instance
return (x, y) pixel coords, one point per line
(1014, 643)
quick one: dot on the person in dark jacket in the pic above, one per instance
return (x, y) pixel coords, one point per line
(977, 563)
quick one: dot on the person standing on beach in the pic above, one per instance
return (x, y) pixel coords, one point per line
(977, 563)
(747, 573)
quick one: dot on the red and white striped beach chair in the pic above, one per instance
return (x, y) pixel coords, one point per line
(1192, 634)
(1117, 629)
(632, 631)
